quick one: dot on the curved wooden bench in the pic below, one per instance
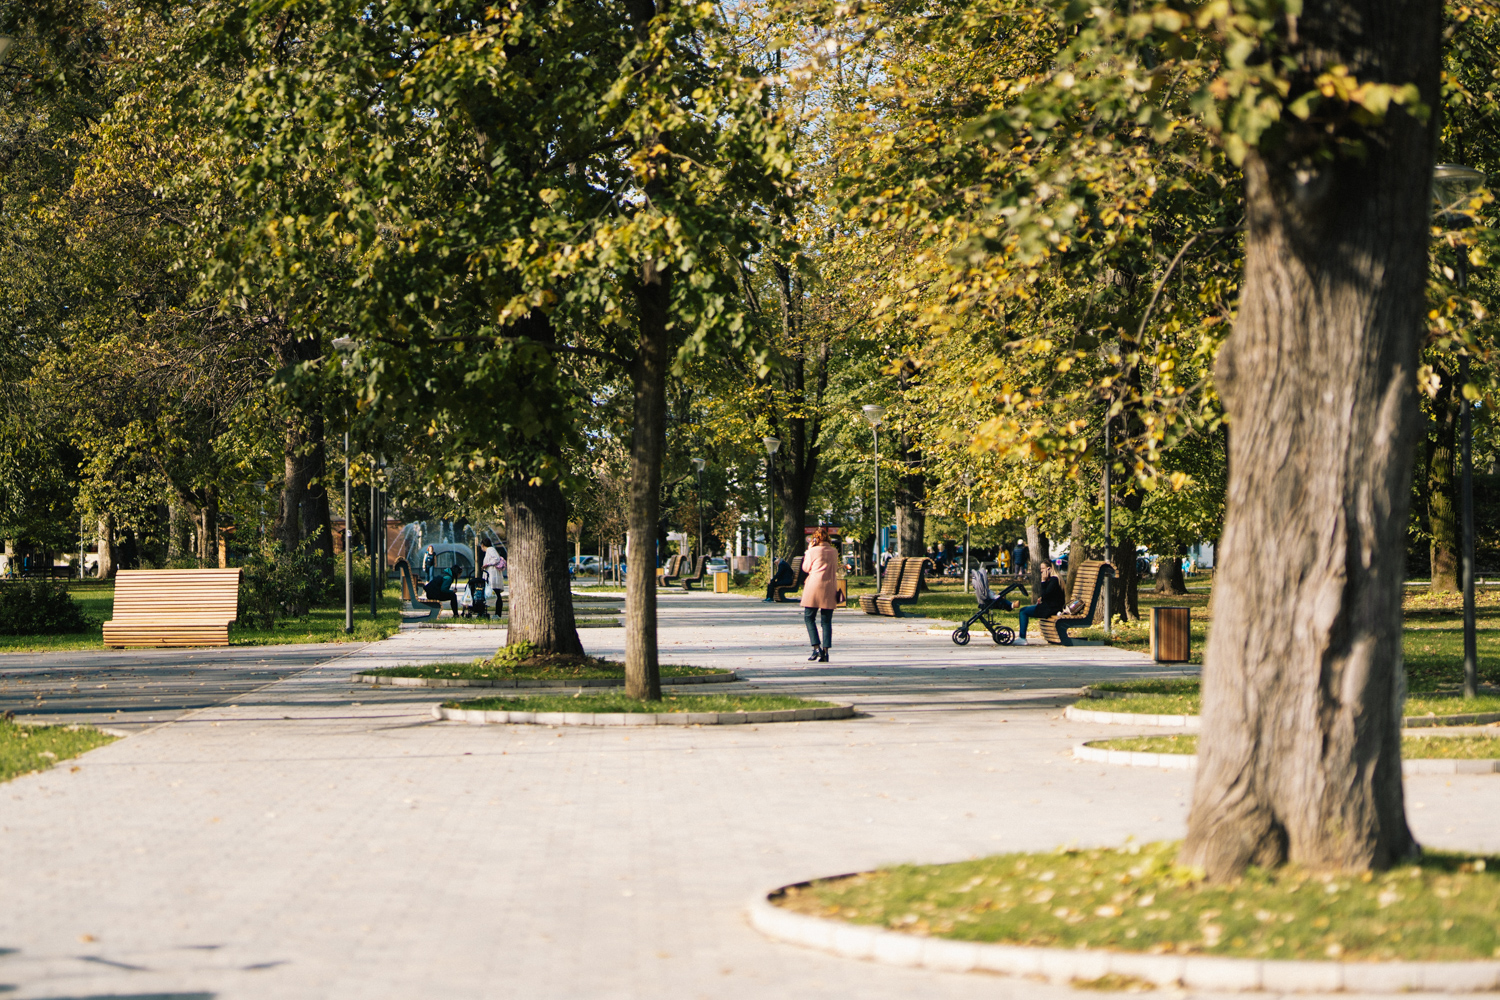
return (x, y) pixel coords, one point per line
(697, 576)
(1090, 580)
(796, 584)
(415, 607)
(173, 607)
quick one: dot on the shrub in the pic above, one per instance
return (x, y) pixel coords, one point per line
(277, 584)
(40, 608)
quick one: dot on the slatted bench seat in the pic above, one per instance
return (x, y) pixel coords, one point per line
(797, 577)
(668, 574)
(415, 607)
(173, 607)
(1090, 580)
(698, 574)
(898, 587)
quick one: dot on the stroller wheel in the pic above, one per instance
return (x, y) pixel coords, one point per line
(960, 637)
(1003, 635)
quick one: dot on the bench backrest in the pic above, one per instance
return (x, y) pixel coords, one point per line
(1090, 575)
(890, 580)
(212, 595)
(911, 576)
(796, 568)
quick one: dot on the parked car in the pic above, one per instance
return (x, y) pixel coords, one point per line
(718, 564)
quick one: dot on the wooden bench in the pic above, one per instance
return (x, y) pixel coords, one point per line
(780, 592)
(173, 607)
(668, 574)
(898, 587)
(1090, 580)
(414, 606)
(697, 575)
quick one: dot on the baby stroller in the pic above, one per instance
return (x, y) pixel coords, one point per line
(1003, 635)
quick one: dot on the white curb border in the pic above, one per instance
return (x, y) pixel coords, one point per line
(1189, 762)
(1188, 722)
(1063, 965)
(380, 680)
(478, 717)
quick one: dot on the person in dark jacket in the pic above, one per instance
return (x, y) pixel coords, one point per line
(781, 578)
(438, 589)
(1049, 600)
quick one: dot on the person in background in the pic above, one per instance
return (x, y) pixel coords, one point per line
(494, 566)
(429, 561)
(820, 592)
(437, 589)
(1019, 557)
(781, 577)
(1049, 601)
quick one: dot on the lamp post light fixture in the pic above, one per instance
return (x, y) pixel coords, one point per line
(772, 445)
(874, 416)
(698, 464)
(1453, 190)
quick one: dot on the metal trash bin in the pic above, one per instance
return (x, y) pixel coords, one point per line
(1171, 634)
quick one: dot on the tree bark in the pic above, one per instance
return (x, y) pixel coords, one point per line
(1169, 578)
(911, 496)
(647, 444)
(1442, 513)
(1036, 544)
(208, 528)
(541, 599)
(1300, 754)
(106, 543)
(178, 520)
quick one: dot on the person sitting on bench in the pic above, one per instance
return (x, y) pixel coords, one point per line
(1049, 601)
(781, 578)
(438, 589)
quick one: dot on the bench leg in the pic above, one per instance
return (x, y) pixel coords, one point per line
(1062, 635)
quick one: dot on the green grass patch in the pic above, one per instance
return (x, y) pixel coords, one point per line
(618, 702)
(24, 749)
(1152, 697)
(1138, 899)
(535, 668)
(1412, 747)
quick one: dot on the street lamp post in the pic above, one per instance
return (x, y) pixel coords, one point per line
(968, 520)
(772, 444)
(698, 464)
(1109, 534)
(873, 416)
(1453, 187)
(345, 346)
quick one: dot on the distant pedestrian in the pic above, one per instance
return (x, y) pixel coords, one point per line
(429, 562)
(1020, 556)
(820, 592)
(781, 576)
(494, 567)
(1050, 599)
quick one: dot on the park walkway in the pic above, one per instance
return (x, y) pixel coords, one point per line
(319, 839)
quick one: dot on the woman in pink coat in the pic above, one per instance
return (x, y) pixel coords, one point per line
(820, 592)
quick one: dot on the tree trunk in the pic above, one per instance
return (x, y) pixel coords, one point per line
(106, 543)
(541, 600)
(911, 496)
(179, 521)
(1125, 598)
(1300, 754)
(1078, 550)
(1169, 578)
(1442, 514)
(647, 443)
(1036, 544)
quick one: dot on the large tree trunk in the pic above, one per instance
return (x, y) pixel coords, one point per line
(208, 528)
(647, 443)
(179, 526)
(1300, 757)
(911, 497)
(1442, 516)
(106, 543)
(1169, 578)
(541, 599)
(1036, 544)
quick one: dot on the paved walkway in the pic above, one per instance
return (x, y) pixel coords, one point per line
(318, 839)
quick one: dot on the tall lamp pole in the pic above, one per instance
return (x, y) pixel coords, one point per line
(698, 464)
(873, 416)
(1453, 187)
(345, 346)
(968, 521)
(1109, 534)
(772, 444)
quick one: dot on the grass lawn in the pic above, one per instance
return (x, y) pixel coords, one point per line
(617, 702)
(1412, 747)
(322, 624)
(1137, 899)
(1179, 696)
(536, 668)
(24, 749)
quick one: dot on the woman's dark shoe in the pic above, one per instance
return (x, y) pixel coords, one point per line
(823, 655)
(817, 655)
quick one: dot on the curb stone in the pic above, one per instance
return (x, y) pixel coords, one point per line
(475, 716)
(1188, 722)
(1188, 762)
(458, 682)
(1064, 965)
